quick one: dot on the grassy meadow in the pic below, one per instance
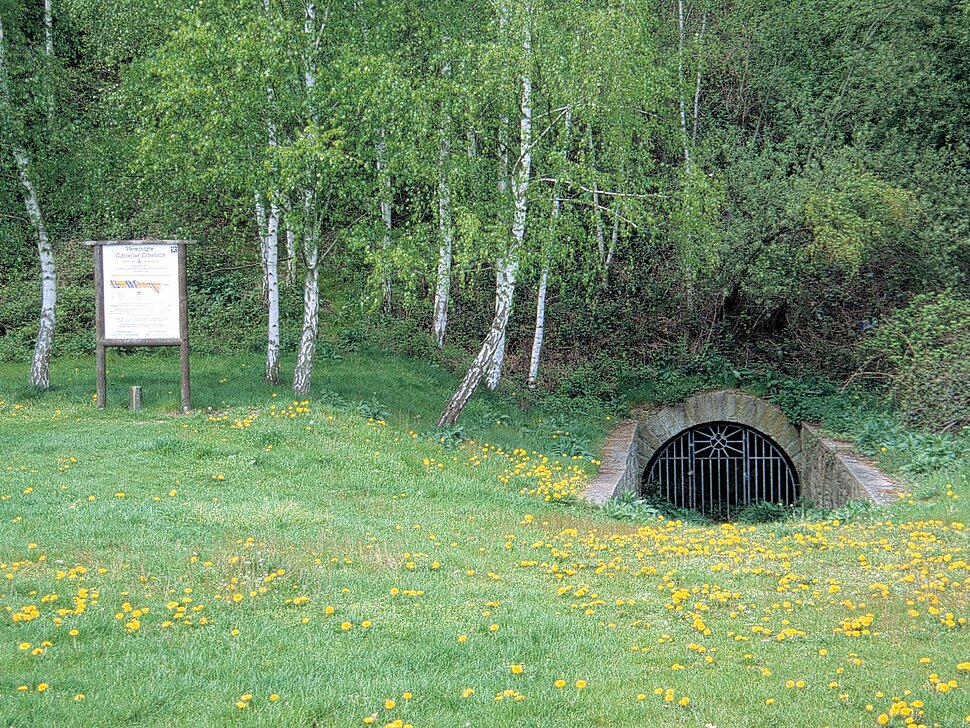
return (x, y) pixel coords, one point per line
(330, 562)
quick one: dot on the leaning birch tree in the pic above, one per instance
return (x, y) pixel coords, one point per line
(510, 259)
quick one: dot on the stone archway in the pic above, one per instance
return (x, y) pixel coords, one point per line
(829, 473)
(719, 406)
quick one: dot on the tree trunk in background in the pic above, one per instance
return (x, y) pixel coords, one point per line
(505, 272)
(680, 82)
(303, 371)
(311, 302)
(272, 375)
(504, 294)
(290, 253)
(611, 251)
(49, 52)
(384, 187)
(597, 211)
(443, 287)
(493, 369)
(540, 329)
(41, 364)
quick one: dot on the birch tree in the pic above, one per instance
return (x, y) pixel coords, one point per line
(445, 223)
(547, 255)
(510, 260)
(303, 371)
(12, 133)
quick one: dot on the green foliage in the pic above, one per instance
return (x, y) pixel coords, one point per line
(372, 409)
(450, 437)
(628, 506)
(566, 443)
(924, 348)
(763, 512)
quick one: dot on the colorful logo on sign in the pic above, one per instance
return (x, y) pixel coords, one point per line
(137, 284)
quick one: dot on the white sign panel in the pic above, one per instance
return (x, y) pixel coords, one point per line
(141, 292)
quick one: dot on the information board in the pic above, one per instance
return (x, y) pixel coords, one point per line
(141, 299)
(141, 292)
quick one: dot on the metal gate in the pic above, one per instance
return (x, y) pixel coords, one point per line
(720, 467)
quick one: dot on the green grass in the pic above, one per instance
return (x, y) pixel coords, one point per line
(350, 510)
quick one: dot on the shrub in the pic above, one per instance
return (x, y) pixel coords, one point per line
(924, 350)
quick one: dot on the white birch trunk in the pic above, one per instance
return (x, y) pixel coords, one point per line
(540, 330)
(384, 187)
(533, 379)
(49, 52)
(290, 253)
(681, 30)
(600, 236)
(505, 272)
(272, 375)
(41, 364)
(443, 287)
(303, 371)
(611, 251)
(494, 368)
(504, 296)
(311, 301)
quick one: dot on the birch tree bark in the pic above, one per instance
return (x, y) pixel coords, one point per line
(311, 299)
(271, 247)
(445, 231)
(303, 371)
(540, 329)
(40, 364)
(49, 53)
(505, 293)
(385, 191)
(494, 367)
(290, 252)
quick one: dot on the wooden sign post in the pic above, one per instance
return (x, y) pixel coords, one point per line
(141, 300)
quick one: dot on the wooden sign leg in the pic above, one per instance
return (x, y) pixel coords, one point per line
(184, 326)
(102, 377)
(102, 385)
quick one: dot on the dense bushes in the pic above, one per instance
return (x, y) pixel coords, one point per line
(923, 350)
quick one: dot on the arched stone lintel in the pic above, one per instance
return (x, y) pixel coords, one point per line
(726, 405)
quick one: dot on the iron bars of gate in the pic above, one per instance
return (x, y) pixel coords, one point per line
(719, 468)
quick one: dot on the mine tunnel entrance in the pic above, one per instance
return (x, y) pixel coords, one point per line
(719, 468)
